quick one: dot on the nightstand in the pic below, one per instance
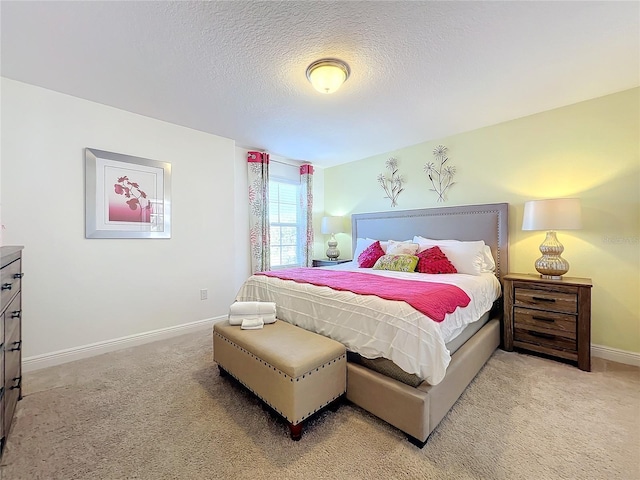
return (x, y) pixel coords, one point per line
(552, 317)
(328, 263)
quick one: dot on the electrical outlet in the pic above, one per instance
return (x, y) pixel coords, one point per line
(204, 293)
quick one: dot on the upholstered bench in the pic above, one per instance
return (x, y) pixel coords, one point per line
(294, 371)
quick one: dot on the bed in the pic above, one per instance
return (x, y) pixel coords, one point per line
(416, 403)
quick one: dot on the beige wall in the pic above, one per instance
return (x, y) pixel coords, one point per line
(588, 150)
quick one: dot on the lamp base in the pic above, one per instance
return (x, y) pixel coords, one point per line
(551, 264)
(332, 252)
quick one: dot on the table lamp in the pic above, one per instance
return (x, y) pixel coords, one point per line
(332, 225)
(551, 215)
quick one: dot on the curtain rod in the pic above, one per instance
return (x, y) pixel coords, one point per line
(290, 164)
(281, 161)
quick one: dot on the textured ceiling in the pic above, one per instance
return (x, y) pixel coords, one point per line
(420, 70)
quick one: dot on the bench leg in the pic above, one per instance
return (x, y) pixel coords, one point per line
(296, 431)
(223, 372)
(333, 406)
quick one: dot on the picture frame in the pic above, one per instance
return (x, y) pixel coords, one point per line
(126, 196)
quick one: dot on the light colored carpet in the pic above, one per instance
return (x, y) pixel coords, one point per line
(161, 411)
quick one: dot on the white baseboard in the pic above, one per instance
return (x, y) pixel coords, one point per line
(38, 362)
(615, 355)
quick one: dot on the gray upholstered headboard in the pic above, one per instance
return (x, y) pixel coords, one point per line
(488, 222)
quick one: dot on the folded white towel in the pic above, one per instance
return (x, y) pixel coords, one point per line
(237, 319)
(252, 324)
(252, 308)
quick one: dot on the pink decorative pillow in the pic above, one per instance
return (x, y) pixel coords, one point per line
(432, 260)
(370, 255)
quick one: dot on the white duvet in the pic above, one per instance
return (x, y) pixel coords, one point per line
(372, 326)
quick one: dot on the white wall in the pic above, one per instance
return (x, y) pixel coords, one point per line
(78, 291)
(241, 214)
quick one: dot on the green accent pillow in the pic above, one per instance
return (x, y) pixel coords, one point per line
(397, 263)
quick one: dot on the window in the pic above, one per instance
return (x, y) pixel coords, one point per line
(284, 229)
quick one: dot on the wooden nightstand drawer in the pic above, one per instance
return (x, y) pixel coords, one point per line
(544, 339)
(546, 300)
(552, 323)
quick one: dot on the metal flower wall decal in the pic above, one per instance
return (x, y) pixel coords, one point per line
(392, 186)
(441, 175)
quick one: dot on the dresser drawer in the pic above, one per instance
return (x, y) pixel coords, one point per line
(12, 359)
(3, 436)
(553, 323)
(11, 397)
(12, 353)
(10, 281)
(12, 319)
(546, 300)
(12, 384)
(2, 363)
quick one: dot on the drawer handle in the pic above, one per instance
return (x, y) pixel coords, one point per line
(17, 347)
(544, 319)
(543, 335)
(6, 286)
(543, 299)
(18, 275)
(18, 383)
(16, 314)
(1, 392)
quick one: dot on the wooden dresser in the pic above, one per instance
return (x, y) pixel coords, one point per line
(10, 337)
(552, 317)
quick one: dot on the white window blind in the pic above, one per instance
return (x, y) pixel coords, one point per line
(284, 228)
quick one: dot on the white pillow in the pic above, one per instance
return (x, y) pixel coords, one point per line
(401, 248)
(383, 244)
(361, 245)
(489, 262)
(467, 257)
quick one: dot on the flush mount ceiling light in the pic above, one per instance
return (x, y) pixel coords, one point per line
(328, 74)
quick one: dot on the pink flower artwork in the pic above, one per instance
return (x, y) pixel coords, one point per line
(134, 207)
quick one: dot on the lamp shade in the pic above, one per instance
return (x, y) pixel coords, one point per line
(331, 225)
(553, 214)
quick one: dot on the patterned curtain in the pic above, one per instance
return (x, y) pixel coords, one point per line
(306, 207)
(258, 168)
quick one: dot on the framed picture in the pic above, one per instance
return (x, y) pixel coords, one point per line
(126, 197)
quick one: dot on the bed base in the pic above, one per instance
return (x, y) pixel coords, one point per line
(417, 411)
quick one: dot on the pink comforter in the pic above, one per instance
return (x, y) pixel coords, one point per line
(434, 300)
